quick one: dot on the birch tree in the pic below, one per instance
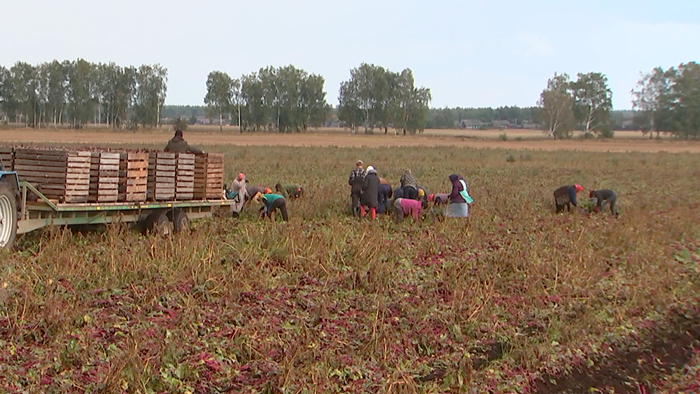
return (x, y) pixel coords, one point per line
(219, 96)
(593, 103)
(557, 115)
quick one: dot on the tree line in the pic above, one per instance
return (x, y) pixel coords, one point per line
(281, 99)
(78, 92)
(290, 99)
(663, 101)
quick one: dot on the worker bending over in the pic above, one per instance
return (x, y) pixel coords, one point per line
(565, 196)
(289, 191)
(272, 203)
(604, 197)
(408, 207)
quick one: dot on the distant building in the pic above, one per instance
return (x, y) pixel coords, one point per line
(470, 124)
(500, 124)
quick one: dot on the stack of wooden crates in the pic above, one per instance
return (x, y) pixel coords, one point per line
(7, 155)
(208, 176)
(133, 176)
(108, 176)
(58, 174)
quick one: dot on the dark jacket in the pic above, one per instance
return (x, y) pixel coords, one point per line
(370, 190)
(455, 195)
(384, 198)
(251, 191)
(565, 195)
(179, 145)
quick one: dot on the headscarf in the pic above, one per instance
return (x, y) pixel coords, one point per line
(359, 163)
(578, 187)
(241, 176)
(454, 177)
(371, 170)
(178, 133)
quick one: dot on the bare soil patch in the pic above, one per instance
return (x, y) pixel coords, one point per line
(27, 136)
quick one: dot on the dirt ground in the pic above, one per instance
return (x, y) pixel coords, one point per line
(204, 138)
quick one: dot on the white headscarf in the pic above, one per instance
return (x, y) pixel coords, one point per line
(371, 170)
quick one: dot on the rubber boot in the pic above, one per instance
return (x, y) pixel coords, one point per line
(362, 211)
(374, 213)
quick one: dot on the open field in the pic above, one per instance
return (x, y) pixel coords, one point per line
(209, 137)
(328, 303)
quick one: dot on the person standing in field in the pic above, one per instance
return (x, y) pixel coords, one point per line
(238, 193)
(177, 144)
(565, 196)
(408, 207)
(356, 181)
(271, 203)
(409, 184)
(370, 193)
(604, 197)
(459, 199)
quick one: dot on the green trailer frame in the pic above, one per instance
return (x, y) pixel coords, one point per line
(33, 215)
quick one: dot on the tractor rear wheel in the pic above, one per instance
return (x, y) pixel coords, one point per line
(8, 216)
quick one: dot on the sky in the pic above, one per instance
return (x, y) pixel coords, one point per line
(469, 53)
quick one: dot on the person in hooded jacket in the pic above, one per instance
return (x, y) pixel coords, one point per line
(459, 198)
(177, 144)
(238, 194)
(370, 192)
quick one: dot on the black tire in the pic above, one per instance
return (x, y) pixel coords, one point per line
(8, 215)
(158, 223)
(179, 220)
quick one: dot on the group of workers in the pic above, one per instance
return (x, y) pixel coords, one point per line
(370, 192)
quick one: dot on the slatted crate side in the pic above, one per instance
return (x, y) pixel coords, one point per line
(184, 176)
(7, 156)
(46, 169)
(78, 179)
(133, 174)
(104, 176)
(208, 176)
(161, 176)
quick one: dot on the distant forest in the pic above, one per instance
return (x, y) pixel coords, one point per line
(438, 118)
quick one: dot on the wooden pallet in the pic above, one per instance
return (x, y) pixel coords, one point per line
(184, 177)
(7, 156)
(161, 176)
(208, 176)
(104, 177)
(133, 176)
(59, 174)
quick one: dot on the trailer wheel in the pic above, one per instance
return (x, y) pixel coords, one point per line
(158, 223)
(180, 221)
(8, 216)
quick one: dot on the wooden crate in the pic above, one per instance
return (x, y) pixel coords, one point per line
(59, 174)
(133, 176)
(7, 157)
(184, 177)
(104, 177)
(208, 176)
(161, 176)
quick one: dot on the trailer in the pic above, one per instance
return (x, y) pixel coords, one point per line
(20, 214)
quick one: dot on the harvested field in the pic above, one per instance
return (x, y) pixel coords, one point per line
(513, 299)
(206, 139)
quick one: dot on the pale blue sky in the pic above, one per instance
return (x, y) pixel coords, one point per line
(469, 53)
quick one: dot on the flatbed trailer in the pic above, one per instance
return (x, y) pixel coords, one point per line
(18, 215)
